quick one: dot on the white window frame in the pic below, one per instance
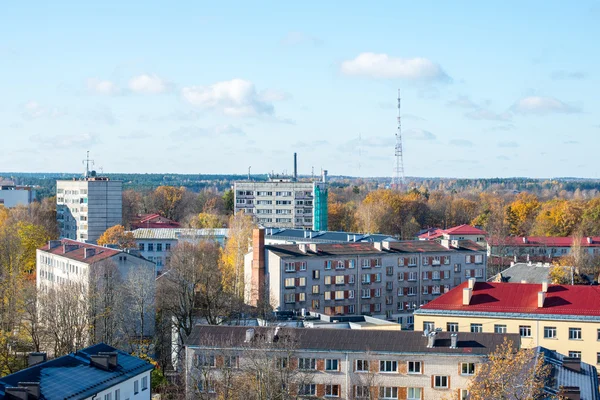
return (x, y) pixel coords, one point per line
(388, 366)
(438, 381)
(412, 369)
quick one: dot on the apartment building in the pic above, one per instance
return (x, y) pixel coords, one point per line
(98, 372)
(87, 207)
(460, 232)
(385, 279)
(540, 248)
(347, 364)
(155, 244)
(294, 236)
(564, 318)
(12, 195)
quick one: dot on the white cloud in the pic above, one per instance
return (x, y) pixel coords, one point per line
(148, 84)
(237, 97)
(34, 110)
(383, 66)
(419, 134)
(66, 141)
(508, 144)
(483, 114)
(272, 95)
(462, 102)
(104, 87)
(461, 143)
(542, 105)
(228, 129)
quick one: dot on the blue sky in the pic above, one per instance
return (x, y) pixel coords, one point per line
(489, 89)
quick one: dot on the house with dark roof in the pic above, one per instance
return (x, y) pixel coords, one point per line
(295, 236)
(340, 363)
(98, 372)
(565, 318)
(385, 279)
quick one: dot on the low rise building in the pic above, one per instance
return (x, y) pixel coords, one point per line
(340, 363)
(12, 195)
(523, 273)
(460, 232)
(539, 248)
(564, 318)
(387, 279)
(294, 236)
(155, 244)
(152, 221)
(93, 373)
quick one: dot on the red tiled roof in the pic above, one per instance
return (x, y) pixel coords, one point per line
(432, 234)
(78, 253)
(522, 298)
(154, 221)
(547, 241)
(456, 230)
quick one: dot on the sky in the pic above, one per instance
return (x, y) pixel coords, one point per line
(488, 88)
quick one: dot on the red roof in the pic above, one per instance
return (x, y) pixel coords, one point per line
(456, 230)
(522, 298)
(546, 241)
(153, 221)
(75, 251)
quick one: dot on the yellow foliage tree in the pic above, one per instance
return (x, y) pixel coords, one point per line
(232, 258)
(558, 218)
(167, 199)
(206, 220)
(116, 235)
(521, 213)
(31, 237)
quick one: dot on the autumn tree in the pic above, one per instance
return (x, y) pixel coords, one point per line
(236, 247)
(521, 213)
(116, 235)
(168, 200)
(228, 199)
(510, 373)
(558, 218)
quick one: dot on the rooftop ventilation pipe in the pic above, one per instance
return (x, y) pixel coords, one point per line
(454, 341)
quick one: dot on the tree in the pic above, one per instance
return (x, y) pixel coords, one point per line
(232, 260)
(510, 373)
(228, 199)
(167, 201)
(558, 218)
(116, 235)
(521, 213)
(207, 221)
(137, 318)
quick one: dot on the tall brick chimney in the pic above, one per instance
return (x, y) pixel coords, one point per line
(258, 266)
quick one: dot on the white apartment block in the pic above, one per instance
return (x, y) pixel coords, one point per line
(346, 364)
(87, 207)
(12, 195)
(284, 203)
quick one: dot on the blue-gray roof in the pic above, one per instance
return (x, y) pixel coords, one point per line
(74, 377)
(303, 235)
(586, 379)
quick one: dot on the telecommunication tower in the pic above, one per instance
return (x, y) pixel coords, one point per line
(398, 178)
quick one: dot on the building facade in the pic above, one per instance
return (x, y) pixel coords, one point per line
(284, 203)
(564, 318)
(460, 232)
(156, 244)
(347, 364)
(12, 195)
(98, 372)
(387, 280)
(540, 248)
(87, 207)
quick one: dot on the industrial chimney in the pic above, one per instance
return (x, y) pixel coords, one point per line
(295, 167)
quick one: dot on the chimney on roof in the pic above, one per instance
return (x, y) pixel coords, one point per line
(471, 283)
(454, 341)
(32, 388)
(53, 244)
(16, 393)
(545, 286)
(467, 294)
(541, 299)
(87, 252)
(445, 243)
(386, 244)
(69, 247)
(572, 363)
(590, 240)
(525, 239)
(523, 280)
(313, 247)
(36, 358)
(570, 393)
(113, 358)
(100, 361)
(431, 340)
(302, 247)
(378, 246)
(249, 335)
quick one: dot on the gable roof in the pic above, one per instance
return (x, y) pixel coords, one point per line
(522, 298)
(351, 340)
(586, 379)
(76, 250)
(74, 377)
(463, 229)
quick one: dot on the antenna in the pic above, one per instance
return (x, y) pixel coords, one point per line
(86, 162)
(398, 178)
(249, 172)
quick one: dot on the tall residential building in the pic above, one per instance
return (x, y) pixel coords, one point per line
(87, 207)
(387, 279)
(12, 195)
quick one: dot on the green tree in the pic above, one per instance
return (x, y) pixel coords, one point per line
(228, 199)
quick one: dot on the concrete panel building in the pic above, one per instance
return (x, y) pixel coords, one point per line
(12, 195)
(87, 207)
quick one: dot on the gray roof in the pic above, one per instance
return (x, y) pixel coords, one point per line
(74, 377)
(303, 235)
(523, 272)
(179, 233)
(586, 379)
(351, 340)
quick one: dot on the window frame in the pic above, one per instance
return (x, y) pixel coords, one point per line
(393, 364)
(469, 370)
(438, 381)
(413, 370)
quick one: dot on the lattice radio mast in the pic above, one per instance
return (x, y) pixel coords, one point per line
(398, 179)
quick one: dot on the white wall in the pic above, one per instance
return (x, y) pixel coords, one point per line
(127, 390)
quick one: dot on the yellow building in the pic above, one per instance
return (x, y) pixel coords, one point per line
(564, 318)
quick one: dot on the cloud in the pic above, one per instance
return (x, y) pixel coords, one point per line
(272, 95)
(103, 87)
(313, 144)
(34, 110)
(461, 143)
(418, 134)
(462, 102)
(135, 135)
(383, 66)
(503, 158)
(237, 98)
(483, 114)
(228, 129)
(508, 144)
(571, 75)
(542, 105)
(192, 132)
(148, 84)
(299, 38)
(101, 114)
(504, 128)
(66, 141)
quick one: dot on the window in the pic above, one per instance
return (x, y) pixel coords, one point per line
(316, 274)
(340, 280)
(328, 264)
(424, 275)
(302, 282)
(350, 294)
(362, 366)
(413, 393)
(525, 330)
(290, 282)
(332, 390)
(452, 327)
(364, 263)
(315, 289)
(479, 273)
(386, 392)
(167, 246)
(440, 382)
(282, 362)
(307, 389)
(464, 394)
(400, 276)
(446, 274)
(351, 264)
(388, 366)
(597, 358)
(412, 276)
(150, 246)
(365, 293)
(205, 360)
(141, 246)
(476, 328)
(574, 333)
(378, 277)
(332, 364)
(428, 326)
(389, 271)
(339, 295)
(291, 297)
(328, 279)
(145, 383)
(575, 354)
(499, 328)
(301, 296)
(290, 267)
(549, 332)
(378, 292)
(340, 265)
(108, 396)
(414, 367)
(118, 394)
(230, 361)
(351, 279)
(307, 363)
(467, 368)
(435, 275)
(366, 279)
(362, 392)
(456, 267)
(158, 246)
(315, 304)
(136, 387)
